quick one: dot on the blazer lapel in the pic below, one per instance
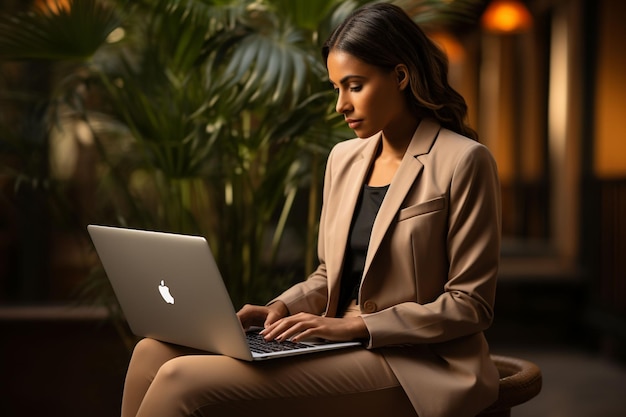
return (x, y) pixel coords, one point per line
(401, 184)
(345, 212)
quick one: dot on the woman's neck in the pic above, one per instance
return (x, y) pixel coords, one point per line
(391, 151)
(396, 140)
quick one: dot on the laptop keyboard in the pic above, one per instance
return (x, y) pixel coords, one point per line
(260, 345)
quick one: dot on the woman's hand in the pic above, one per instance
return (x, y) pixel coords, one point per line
(304, 326)
(263, 316)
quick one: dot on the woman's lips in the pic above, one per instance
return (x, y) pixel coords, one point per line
(354, 123)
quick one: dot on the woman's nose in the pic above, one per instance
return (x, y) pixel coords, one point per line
(342, 104)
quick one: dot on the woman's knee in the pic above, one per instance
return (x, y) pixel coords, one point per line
(154, 351)
(177, 383)
(171, 371)
(204, 379)
(147, 345)
(169, 392)
(148, 357)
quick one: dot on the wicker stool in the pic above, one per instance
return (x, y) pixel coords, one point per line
(520, 381)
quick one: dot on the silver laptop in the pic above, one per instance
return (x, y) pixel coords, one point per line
(170, 289)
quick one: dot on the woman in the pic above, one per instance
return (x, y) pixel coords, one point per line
(409, 246)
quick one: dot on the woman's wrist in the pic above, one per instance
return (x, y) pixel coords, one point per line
(359, 329)
(279, 308)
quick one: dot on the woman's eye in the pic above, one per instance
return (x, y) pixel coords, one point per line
(351, 88)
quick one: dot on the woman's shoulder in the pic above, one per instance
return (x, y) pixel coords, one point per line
(454, 146)
(455, 140)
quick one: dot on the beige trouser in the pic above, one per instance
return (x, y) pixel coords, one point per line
(166, 380)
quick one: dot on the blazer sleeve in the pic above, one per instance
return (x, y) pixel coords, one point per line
(472, 241)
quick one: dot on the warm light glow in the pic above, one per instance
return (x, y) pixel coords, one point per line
(450, 45)
(53, 6)
(506, 16)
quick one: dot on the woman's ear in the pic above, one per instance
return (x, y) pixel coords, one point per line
(402, 73)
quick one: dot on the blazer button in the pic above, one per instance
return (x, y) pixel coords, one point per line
(369, 306)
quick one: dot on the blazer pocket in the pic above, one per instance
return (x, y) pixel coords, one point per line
(429, 206)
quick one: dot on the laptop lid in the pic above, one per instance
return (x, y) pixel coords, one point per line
(170, 289)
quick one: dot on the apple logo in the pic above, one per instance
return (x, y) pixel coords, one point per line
(165, 293)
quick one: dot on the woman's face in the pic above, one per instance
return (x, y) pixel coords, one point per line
(370, 98)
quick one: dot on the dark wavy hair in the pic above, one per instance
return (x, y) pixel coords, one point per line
(383, 35)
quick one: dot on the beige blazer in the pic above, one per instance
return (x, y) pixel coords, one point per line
(429, 283)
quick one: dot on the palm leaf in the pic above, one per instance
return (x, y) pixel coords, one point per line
(304, 14)
(76, 32)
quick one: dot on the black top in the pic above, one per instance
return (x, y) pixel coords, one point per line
(367, 207)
